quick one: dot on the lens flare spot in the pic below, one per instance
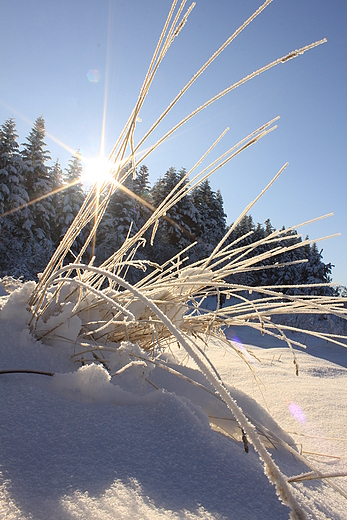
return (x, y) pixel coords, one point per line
(93, 76)
(297, 412)
(238, 342)
(231, 336)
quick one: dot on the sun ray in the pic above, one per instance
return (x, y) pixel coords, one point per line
(109, 28)
(48, 134)
(31, 202)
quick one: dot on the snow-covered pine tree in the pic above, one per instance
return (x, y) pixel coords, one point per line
(245, 226)
(176, 231)
(158, 253)
(56, 174)
(220, 214)
(290, 274)
(211, 219)
(116, 222)
(13, 198)
(38, 184)
(316, 271)
(141, 183)
(142, 190)
(4, 174)
(71, 200)
(12, 194)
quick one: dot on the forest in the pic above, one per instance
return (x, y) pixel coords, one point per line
(39, 200)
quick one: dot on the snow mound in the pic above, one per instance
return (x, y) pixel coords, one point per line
(15, 308)
(92, 382)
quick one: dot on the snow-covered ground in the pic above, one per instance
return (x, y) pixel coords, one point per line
(80, 445)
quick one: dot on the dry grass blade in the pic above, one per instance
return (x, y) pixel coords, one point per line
(314, 476)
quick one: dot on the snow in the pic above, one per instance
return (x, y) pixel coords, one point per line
(85, 445)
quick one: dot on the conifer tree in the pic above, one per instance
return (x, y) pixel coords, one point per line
(211, 222)
(72, 196)
(316, 271)
(141, 182)
(13, 198)
(141, 188)
(291, 273)
(176, 231)
(56, 174)
(117, 221)
(12, 191)
(142, 211)
(38, 184)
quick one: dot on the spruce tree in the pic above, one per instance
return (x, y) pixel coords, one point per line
(117, 221)
(13, 198)
(211, 220)
(12, 192)
(142, 211)
(141, 190)
(141, 182)
(72, 198)
(38, 184)
(316, 271)
(56, 174)
(290, 274)
(176, 230)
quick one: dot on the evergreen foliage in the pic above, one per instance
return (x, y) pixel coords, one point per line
(304, 264)
(71, 199)
(38, 246)
(142, 190)
(143, 207)
(177, 230)
(12, 191)
(56, 173)
(117, 222)
(38, 184)
(29, 232)
(13, 197)
(211, 219)
(315, 270)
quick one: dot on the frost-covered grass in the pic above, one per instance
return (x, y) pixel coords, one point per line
(115, 331)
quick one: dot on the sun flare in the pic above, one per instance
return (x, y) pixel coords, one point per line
(97, 170)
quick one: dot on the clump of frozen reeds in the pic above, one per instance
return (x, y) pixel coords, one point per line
(96, 308)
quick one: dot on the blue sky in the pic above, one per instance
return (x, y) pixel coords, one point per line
(48, 48)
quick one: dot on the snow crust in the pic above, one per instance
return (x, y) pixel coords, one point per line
(88, 444)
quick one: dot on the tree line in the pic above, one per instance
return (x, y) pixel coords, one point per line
(38, 202)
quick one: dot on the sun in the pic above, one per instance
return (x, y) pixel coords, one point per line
(97, 170)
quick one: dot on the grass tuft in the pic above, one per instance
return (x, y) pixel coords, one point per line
(167, 305)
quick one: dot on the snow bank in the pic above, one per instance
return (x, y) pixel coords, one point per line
(91, 444)
(15, 308)
(87, 445)
(92, 382)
